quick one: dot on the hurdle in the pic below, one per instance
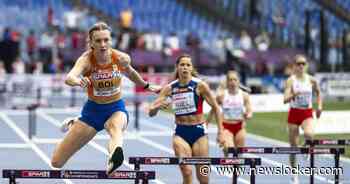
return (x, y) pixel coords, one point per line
(32, 119)
(289, 150)
(329, 142)
(138, 161)
(12, 174)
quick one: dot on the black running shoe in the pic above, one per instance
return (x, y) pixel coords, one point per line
(115, 160)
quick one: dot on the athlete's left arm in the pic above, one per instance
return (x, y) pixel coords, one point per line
(317, 91)
(209, 97)
(248, 106)
(134, 76)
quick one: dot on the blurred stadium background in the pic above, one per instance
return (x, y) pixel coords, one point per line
(41, 39)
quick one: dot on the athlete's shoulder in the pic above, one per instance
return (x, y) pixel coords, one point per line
(85, 56)
(244, 94)
(121, 58)
(222, 93)
(119, 53)
(291, 78)
(289, 82)
(173, 82)
(312, 79)
(196, 79)
(84, 59)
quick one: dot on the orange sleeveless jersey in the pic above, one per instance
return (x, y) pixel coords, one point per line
(106, 80)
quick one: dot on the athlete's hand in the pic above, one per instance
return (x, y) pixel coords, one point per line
(220, 138)
(318, 113)
(85, 82)
(247, 115)
(154, 88)
(163, 104)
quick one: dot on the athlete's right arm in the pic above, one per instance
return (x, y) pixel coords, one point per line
(288, 92)
(160, 102)
(80, 67)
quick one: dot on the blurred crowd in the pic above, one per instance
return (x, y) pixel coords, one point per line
(54, 49)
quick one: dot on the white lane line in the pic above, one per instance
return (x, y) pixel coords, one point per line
(37, 140)
(13, 145)
(23, 136)
(104, 137)
(91, 143)
(67, 110)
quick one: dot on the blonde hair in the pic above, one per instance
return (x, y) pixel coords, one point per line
(300, 57)
(232, 72)
(99, 26)
(223, 84)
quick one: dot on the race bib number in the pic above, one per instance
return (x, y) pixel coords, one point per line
(232, 113)
(106, 91)
(183, 103)
(303, 100)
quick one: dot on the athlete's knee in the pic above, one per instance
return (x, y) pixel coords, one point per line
(239, 140)
(308, 134)
(202, 179)
(56, 163)
(115, 124)
(186, 171)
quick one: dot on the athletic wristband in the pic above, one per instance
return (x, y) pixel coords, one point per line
(146, 86)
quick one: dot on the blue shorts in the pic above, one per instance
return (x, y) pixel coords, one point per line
(190, 133)
(96, 115)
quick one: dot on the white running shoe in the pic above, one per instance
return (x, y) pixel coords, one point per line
(294, 179)
(306, 157)
(67, 123)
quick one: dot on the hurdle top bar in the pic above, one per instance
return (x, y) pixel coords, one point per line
(339, 142)
(77, 174)
(193, 161)
(286, 150)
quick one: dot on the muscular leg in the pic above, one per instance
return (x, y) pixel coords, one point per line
(308, 129)
(201, 149)
(115, 126)
(239, 138)
(78, 135)
(183, 149)
(229, 141)
(293, 141)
